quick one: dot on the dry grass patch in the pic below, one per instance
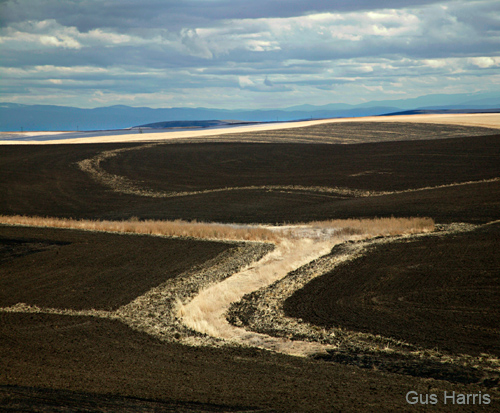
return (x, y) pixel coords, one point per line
(365, 228)
(380, 226)
(177, 228)
(213, 231)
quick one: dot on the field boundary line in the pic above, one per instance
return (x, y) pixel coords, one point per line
(124, 185)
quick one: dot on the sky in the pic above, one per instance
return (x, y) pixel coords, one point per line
(241, 54)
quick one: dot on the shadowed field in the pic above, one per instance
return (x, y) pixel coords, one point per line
(84, 270)
(106, 357)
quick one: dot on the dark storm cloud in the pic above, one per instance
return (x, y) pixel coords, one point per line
(174, 14)
(170, 30)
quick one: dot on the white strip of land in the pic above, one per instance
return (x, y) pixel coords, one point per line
(206, 312)
(487, 120)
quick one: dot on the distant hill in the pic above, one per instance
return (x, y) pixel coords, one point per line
(190, 124)
(442, 111)
(17, 117)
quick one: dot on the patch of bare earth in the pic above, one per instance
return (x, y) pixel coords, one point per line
(83, 270)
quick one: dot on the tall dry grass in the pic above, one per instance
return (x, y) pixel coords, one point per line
(177, 228)
(378, 226)
(214, 231)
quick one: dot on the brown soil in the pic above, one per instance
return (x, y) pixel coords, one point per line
(436, 292)
(387, 166)
(33, 399)
(84, 354)
(45, 180)
(84, 270)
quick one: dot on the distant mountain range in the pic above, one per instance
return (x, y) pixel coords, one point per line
(17, 117)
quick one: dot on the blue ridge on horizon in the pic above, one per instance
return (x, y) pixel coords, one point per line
(20, 117)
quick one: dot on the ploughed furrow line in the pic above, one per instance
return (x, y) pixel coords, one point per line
(124, 185)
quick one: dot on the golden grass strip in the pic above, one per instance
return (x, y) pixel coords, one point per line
(214, 231)
(379, 226)
(177, 228)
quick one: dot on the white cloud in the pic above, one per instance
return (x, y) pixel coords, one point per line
(244, 81)
(107, 37)
(262, 45)
(195, 45)
(60, 41)
(33, 35)
(435, 63)
(485, 61)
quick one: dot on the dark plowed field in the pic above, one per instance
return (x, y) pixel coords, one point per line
(84, 270)
(105, 357)
(45, 180)
(436, 292)
(386, 166)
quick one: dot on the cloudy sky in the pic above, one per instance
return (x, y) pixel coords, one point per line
(244, 54)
